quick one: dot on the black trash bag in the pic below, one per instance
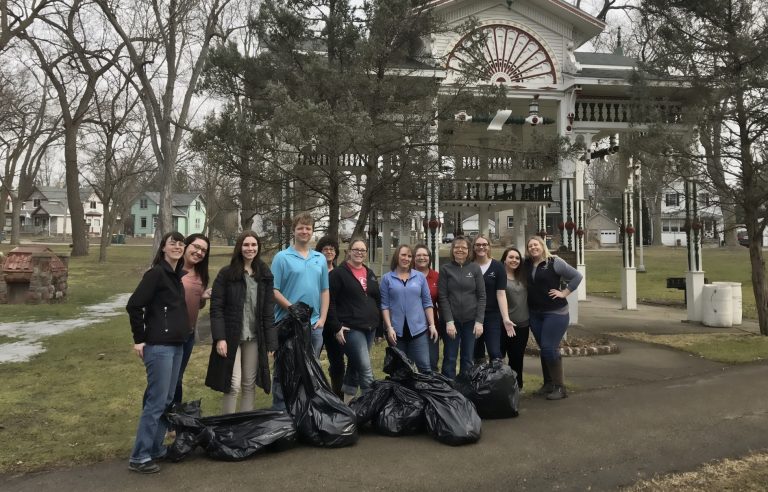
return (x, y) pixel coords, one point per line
(368, 405)
(232, 437)
(492, 387)
(321, 419)
(451, 418)
(402, 414)
(398, 365)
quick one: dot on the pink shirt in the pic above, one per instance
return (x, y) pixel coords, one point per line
(193, 294)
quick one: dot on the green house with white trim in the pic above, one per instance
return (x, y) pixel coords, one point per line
(189, 213)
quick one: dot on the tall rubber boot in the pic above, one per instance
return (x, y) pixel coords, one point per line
(547, 387)
(556, 371)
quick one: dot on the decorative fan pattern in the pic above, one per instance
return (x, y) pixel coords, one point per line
(502, 54)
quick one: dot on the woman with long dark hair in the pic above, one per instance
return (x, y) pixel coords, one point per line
(517, 304)
(160, 325)
(548, 311)
(196, 292)
(242, 326)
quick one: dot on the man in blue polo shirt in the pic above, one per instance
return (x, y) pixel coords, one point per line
(301, 275)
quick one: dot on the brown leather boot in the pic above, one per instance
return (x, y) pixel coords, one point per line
(556, 371)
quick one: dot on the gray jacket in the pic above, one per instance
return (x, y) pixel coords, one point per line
(461, 291)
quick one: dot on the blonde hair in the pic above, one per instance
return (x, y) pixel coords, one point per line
(541, 242)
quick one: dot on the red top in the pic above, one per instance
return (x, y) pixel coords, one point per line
(361, 274)
(432, 277)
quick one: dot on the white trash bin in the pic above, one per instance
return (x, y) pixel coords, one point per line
(717, 306)
(736, 300)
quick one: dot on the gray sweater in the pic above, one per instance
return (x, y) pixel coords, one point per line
(461, 291)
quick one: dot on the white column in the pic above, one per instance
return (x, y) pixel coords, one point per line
(521, 221)
(629, 272)
(482, 219)
(580, 219)
(694, 277)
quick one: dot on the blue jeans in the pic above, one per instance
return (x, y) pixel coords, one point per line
(417, 349)
(316, 337)
(186, 354)
(359, 371)
(162, 363)
(492, 333)
(548, 329)
(278, 400)
(465, 339)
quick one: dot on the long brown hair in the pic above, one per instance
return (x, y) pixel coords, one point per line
(237, 263)
(200, 268)
(520, 274)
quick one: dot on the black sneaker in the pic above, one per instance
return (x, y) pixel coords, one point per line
(146, 468)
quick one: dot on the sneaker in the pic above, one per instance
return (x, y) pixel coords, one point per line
(558, 393)
(545, 389)
(146, 468)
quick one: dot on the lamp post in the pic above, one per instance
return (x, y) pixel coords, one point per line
(639, 177)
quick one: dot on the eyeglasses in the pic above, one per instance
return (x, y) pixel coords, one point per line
(422, 256)
(461, 248)
(359, 251)
(329, 249)
(481, 245)
(199, 248)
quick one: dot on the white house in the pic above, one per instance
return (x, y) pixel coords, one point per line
(46, 211)
(673, 223)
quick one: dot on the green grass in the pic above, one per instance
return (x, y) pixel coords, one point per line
(604, 273)
(729, 348)
(79, 401)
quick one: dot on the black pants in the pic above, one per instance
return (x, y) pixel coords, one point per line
(514, 347)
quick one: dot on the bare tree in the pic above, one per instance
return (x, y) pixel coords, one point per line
(74, 60)
(116, 152)
(28, 130)
(16, 16)
(178, 33)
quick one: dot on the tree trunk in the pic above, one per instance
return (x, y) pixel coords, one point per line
(106, 231)
(730, 235)
(15, 219)
(3, 200)
(76, 212)
(371, 182)
(759, 285)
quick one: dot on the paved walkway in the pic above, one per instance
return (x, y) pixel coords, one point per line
(644, 411)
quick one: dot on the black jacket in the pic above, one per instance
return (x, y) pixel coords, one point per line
(351, 306)
(227, 300)
(157, 309)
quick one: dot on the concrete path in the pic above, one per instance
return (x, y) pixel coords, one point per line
(644, 411)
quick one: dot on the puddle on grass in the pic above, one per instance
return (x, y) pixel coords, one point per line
(27, 335)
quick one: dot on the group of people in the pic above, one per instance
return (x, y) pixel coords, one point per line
(474, 304)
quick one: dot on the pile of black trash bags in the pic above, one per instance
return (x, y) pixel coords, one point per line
(408, 402)
(405, 403)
